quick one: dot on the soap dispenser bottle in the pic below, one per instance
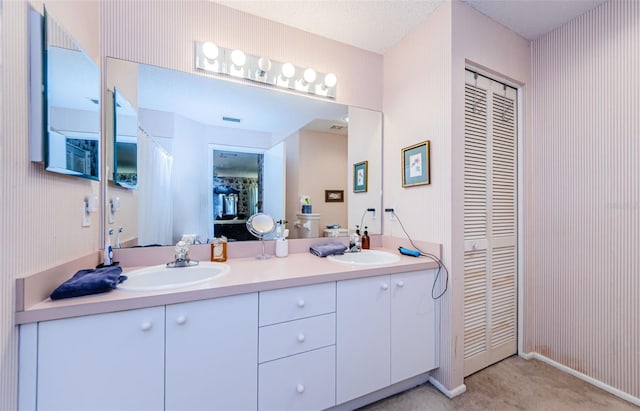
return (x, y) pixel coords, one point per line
(282, 244)
(365, 239)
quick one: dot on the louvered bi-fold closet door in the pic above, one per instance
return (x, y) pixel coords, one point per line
(490, 223)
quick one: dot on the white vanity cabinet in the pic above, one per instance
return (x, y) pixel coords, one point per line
(297, 348)
(386, 332)
(109, 361)
(211, 357)
(303, 348)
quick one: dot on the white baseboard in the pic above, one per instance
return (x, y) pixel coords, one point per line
(526, 355)
(449, 393)
(584, 377)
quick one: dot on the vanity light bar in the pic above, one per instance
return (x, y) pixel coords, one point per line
(236, 63)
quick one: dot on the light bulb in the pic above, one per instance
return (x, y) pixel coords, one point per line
(210, 50)
(238, 58)
(288, 70)
(264, 64)
(330, 80)
(309, 75)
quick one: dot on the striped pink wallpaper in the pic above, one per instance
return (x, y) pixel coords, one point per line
(418, 108)
(584, 226)
(40, 211)
(162, 33)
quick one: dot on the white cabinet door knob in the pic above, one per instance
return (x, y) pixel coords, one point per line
(384, 286)
(145, 326)
(400, 284)
(300, 388)
(181, 320)
(301, 337)
(301, 303)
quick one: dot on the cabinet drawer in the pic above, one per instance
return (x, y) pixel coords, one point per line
(293, 337)
(298, 302)
(300, 382)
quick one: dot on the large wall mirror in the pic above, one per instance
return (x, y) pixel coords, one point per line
(72, 110)
(211, 152)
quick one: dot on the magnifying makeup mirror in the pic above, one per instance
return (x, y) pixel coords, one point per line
(261, 224)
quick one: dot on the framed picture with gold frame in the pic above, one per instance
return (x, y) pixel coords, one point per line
(416, 164)
(360, 177)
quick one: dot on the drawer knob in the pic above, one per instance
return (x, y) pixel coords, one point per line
(400, 284)
(145, 326)
(301, 337)
(384, 286)
(301, 303)
(181, 320)
(300, 388)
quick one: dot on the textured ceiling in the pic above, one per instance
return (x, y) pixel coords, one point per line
(378, 25)
(533, 18)
(371, 25)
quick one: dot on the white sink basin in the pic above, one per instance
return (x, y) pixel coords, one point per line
(366, 257)
(159, 277)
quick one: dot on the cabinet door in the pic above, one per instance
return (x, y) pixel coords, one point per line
(212, 354)
(413, 319)
(109, 361)
(362, 338)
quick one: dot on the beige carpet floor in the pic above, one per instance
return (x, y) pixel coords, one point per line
(512, 384)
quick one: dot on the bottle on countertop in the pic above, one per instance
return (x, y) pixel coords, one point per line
(219, 250)
(365, 239)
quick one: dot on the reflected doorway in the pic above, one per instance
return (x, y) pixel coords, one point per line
(237, 192)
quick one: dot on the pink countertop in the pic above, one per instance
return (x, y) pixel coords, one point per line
(247, 275)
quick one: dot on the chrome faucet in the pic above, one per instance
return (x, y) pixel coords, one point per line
(182, 256)
(354, 242)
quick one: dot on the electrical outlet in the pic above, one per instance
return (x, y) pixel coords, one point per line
(391, 213)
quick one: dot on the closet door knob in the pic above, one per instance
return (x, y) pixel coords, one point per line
(145, 326)
(300, 388)
(301, 337)
(181, 320)
(384, 286)
(301, 303)
(400, 284)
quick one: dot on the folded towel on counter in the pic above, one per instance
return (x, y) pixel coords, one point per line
(330, 248)
(90, 281)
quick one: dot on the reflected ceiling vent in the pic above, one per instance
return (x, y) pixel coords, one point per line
(231, 119)
(224, 154)
(337, 127)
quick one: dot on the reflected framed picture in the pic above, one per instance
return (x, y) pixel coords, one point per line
(334, 196)
(416, 165)
(360, 177)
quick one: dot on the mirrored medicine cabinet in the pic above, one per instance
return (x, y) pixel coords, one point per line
(72, 105)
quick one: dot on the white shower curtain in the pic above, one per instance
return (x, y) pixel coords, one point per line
(252, 198)
(155, 207)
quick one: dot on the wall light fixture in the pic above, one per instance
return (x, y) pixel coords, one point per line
(215, 59)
